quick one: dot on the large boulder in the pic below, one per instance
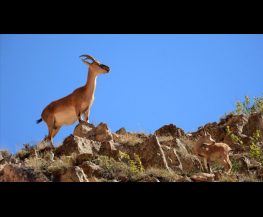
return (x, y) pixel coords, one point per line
(177, 144)
(190, 163)
(203, 177)
(255, 122)
(85, 130)
(101, 133)
(109, 149)
(16, 173)
(236, 125)
(149, 151)
(172, 158)
(121, 131)
(72, 174)
(79, 146)
(216, 132)
(179, 158)
(170, 130)
(91, 169)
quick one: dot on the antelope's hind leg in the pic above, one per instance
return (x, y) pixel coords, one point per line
(225, 164)
(54, 132)
(228, 162)
(50, 123)
(49, 137)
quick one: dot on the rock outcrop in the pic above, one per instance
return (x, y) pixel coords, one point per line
(101, 133)
(170, 130)
(172, 155)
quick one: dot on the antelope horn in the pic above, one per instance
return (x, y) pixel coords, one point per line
(88, 57)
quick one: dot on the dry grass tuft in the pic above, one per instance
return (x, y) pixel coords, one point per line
(164, 138)
(48, 165)
(129, 138)
(161, 173)
(189, 143)
(4, 152)
(115, 169)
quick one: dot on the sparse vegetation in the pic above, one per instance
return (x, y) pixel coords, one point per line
(116, 169)
(157, 173)
(129, 138)
(129, 168)
(251, 178)
(4, 152)
(246, 164)
(189, 143)
(254, 150)
(135, 165)
(235, 137)
(246, 107)
(237, 166)
(22, 154)
(165, 138)
(47, 165)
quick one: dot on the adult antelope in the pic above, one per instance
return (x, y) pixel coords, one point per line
(207, 148)
(67, 110)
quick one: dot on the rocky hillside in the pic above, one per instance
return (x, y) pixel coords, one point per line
(95, 154)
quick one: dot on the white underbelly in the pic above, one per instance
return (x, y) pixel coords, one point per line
(66, 117)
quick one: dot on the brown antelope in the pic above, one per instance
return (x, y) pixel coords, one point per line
(67, 110)
(207, 148)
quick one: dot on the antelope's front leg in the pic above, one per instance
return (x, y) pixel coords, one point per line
(86, 116)
(78, 114)
(202, 163)
(208, 165)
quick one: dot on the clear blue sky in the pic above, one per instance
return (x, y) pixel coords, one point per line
(155, 79)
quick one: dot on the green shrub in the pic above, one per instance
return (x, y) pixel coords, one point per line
(135, 165)
(237, 166)
(254, 150)
(4, 152)
(117, 169)
(245, 107)
(235, 137)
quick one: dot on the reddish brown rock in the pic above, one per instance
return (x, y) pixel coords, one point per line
(170, 130)
(16, 173)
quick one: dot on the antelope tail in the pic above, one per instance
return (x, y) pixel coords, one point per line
(38, 121)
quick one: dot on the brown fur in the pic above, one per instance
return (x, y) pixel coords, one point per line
(206, 148)
(67, 110)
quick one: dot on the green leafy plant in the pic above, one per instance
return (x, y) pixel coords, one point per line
(22, 154)
(116, 169)
(236, 166)
(245, 107)
(234, 137)
(255, 151)
(135, 165)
